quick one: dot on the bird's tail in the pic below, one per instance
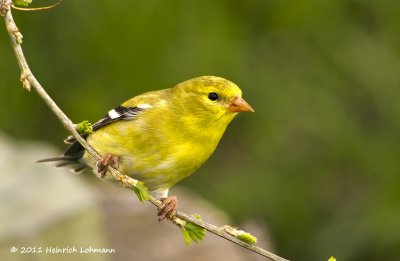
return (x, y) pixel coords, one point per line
(71, 158)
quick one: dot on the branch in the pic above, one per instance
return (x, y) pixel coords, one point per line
(29, 81)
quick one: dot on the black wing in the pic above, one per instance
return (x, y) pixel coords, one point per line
(75, 151)
(117, 114)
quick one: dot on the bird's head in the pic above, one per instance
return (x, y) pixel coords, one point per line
(212, 96)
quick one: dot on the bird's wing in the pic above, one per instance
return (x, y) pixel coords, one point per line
(75, 151)
(117, 114)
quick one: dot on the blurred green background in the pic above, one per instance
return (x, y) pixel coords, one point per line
(319, 160)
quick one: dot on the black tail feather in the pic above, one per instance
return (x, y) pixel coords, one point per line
(72, 157)
(61, 158)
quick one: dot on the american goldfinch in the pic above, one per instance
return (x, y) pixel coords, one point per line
(161, 137)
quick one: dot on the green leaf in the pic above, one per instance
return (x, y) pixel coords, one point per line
(84, 127)
(186, 236)
(141, 192)
(196, 216)
(241, 235)
(22, 2)
(193, 232)
(247, 237)
(332, 259)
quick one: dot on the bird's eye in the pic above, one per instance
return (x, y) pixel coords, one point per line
(213, 96)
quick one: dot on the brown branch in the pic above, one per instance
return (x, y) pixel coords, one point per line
(29, 81)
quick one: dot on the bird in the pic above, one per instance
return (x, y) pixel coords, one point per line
(160, 137)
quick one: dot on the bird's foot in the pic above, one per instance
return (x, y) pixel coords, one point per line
(168, 208)
(105, 161)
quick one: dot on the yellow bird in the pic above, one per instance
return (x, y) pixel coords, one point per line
(161, 137)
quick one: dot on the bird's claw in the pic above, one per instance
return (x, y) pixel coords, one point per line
(105, 161)
(168, 208)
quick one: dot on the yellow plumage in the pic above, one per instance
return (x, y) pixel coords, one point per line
(163, 136)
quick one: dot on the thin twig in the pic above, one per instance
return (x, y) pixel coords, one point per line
(29, 80)
(35, 8)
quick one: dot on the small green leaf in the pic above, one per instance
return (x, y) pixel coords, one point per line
(247, 237)
(193, 232)
(84, 127)
(22, 2)
(141, 192)
(241, 235)
(332, 259)
(196, 216)
(186, 236)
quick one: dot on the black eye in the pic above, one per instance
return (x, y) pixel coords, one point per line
(213, 96)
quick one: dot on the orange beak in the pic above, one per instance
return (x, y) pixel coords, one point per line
(239, 105)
